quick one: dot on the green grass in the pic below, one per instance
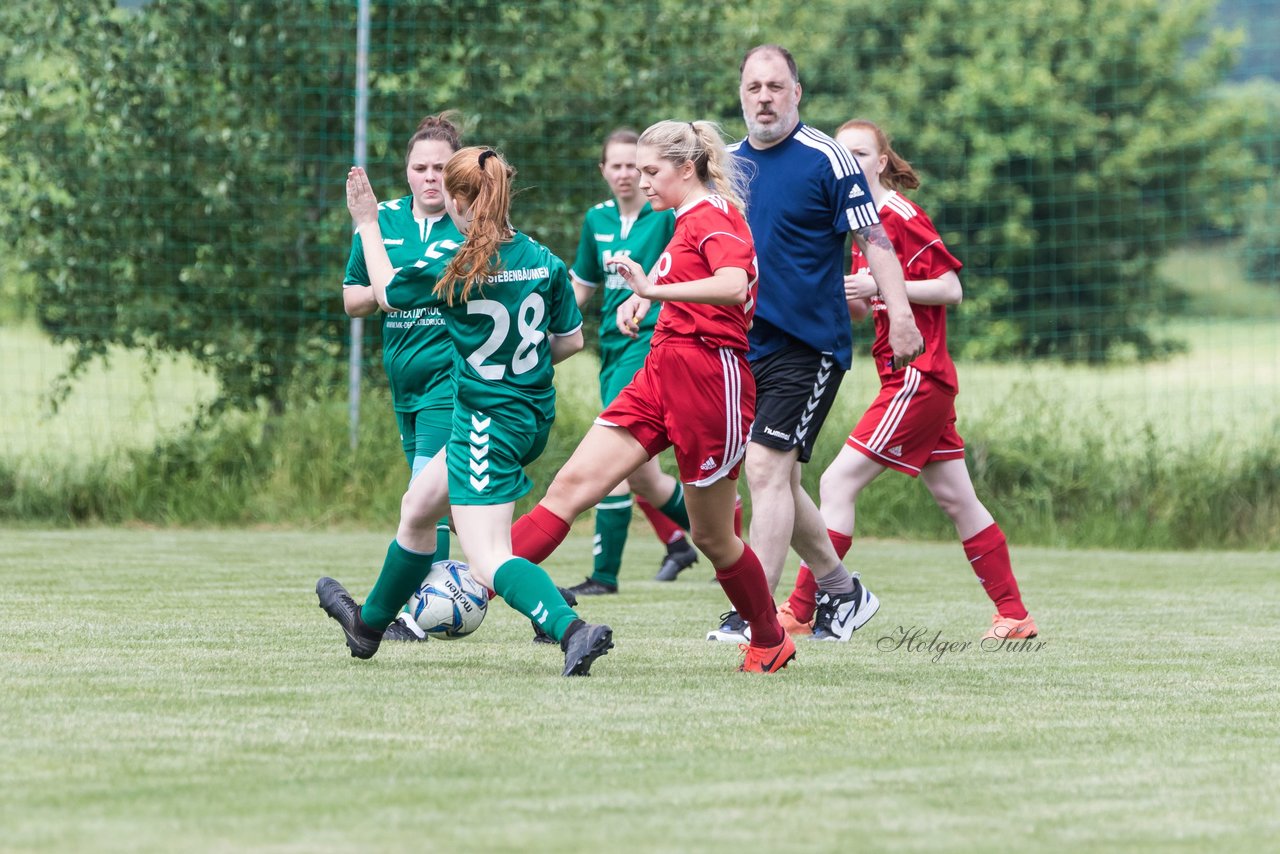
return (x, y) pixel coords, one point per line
(1213, 277)
(117, 405)
(177, 690)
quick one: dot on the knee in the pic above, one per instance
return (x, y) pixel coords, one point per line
(572, 492)
(949, 496)
(718, 547)
(415, 512)
(834, 486)
(767, 472)
(648, 483)
(948, 503)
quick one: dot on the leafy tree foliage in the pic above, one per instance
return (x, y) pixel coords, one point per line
(176, 170)
(1064, 148)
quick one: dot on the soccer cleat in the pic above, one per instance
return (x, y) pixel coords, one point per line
(790, 624)
(584, 646)
(1005, 628)
(733, 629)
(337, 603)
(403, 628)
(539, 634)
(591, 587)
(767, 659)
(838, 617)
(680, 556)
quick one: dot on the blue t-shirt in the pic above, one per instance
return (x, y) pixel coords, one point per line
(806, 193)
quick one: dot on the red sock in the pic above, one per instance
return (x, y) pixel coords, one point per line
(668, 532)
(744, 584)
(804, 598)
(988, 553)
(737, 517)
(536, 534)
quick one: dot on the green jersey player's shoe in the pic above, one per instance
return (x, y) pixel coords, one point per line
(362, 640)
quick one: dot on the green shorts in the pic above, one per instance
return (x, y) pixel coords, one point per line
(618, 367)
(489, 450)
(425, 432)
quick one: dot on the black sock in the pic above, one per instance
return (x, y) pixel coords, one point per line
(573, 629)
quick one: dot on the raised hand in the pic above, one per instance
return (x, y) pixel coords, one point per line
(361, 202)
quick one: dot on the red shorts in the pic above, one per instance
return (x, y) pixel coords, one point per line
(698, 399)
(910, 424)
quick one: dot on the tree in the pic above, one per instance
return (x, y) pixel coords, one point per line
(178, 168)
(193, 196)
(1065, 148)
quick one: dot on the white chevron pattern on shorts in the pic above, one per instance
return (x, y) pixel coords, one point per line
(479, 445)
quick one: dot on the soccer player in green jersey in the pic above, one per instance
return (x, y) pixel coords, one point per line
(627, 226)
(416, 352)
(510, 315)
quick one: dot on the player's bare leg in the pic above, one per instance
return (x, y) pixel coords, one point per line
(770, 473)
(984, 544)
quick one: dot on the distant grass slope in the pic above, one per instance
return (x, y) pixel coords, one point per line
(1183, 452)
(117, 405)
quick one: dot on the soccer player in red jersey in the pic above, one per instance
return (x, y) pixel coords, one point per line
(911, 425)
(695, 392)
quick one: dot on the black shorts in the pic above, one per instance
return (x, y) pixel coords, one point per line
(795, 387)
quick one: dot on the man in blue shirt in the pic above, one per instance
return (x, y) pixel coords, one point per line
(806, 194)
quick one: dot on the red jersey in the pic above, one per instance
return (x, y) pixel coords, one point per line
(923, 256)
(710, 234)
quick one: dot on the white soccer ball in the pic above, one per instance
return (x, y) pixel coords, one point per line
(450, 603)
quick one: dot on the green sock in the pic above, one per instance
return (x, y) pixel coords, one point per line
(442, 540)
(526, 587)
(613, 518)
(674, 508)
(402, 573)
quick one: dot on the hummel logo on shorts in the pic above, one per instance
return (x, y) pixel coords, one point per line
(709, 464)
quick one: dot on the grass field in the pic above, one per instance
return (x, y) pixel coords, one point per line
(118, 404)
(177, 690)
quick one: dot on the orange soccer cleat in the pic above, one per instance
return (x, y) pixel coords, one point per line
(790, 624)
(1007, 628)
(767, 659)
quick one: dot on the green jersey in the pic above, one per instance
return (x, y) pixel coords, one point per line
(605, 236)
(416, 352)
(502, 350)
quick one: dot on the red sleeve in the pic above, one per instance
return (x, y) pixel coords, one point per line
(725, 247)
(921, 250)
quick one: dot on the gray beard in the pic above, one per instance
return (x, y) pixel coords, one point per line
(775, 132)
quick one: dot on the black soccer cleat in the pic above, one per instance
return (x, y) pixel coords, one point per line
(583, 646)
(680, 556)
(403, 628)
(539, 634)
(570, 598)
(591, 587)
(337, 603)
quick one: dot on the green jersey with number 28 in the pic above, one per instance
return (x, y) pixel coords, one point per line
(501, 333)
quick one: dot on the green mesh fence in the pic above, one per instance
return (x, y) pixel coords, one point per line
(176, 232)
